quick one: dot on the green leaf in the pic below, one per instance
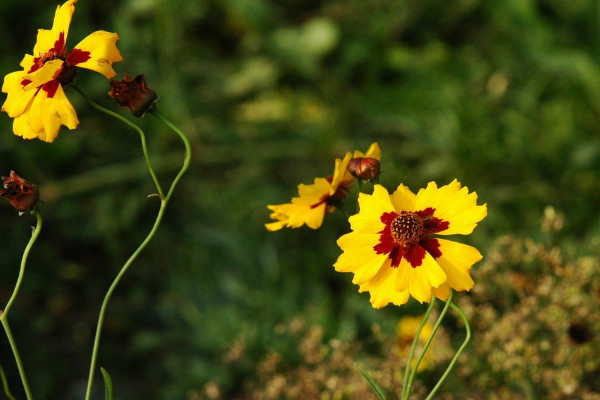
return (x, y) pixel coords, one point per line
(108, 388)
(376, 388)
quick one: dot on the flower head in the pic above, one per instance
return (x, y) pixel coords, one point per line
(365, 168)
(406, 333)
(134, 94)
(394, 250)
(22, 195)
(36, 99)
(318, 198)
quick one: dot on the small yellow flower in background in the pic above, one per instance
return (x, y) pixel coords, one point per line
(36, 99)
(407, 330)
(392, 252)
(318, 198)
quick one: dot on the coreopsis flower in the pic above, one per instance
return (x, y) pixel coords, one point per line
(406, 333)
(36, 99)
(133, 93)
(22, 195)
(394, 249)
(319, 198)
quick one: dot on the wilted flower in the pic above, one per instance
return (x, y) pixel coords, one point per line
(393, 253)
(317, 199)
(134, 94)
(36, 99)
(22, 195)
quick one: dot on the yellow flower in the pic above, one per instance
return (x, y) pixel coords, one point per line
(318, 198)
(407, 330)
(392, 252)
(36, 99)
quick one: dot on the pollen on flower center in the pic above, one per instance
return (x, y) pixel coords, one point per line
(49, 56)
(407, 228)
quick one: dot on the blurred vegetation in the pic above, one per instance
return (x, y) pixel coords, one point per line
(504, 96)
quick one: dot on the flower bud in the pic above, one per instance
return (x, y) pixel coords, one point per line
(22, 195)
(364, 168)
(134, 94)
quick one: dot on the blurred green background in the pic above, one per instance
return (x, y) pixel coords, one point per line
(503, 95)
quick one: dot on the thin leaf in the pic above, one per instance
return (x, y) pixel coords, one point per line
(108, 388)
(378, 391)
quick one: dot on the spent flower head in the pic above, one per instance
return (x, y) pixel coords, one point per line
(318, 198)
(133, 93)
(22, 195)
(393, 253)
(36, 99)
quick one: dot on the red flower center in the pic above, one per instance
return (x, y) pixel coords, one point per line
(407, 235)
(66, 74)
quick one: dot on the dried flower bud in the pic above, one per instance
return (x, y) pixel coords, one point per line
(22, 195)
(134, 94)
(364, 168)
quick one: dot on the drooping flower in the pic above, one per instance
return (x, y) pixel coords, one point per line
(394, 250)
(22, 195)
(36, 99)
(133, 93)
(318, 198)
(406, 333)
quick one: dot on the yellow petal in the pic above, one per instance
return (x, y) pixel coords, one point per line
(18, 100)
(309, 208)
(367, 271)
(62, 20)
(371, 209)
(341, 173)
(441, 292)
(21, 128)
(59, 111)
(382, 289)
(419, 285)
(453, 204)
(456, 260)
(403, 276)
(403, 199)
(27, 62)
(357, 251)
(47, 73)
(103, 52)
(374, 152)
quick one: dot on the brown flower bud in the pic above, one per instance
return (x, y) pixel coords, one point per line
(22, 195)
(364, 168)
(134, 94)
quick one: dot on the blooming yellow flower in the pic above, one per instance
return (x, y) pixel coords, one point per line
(407, 330)
(392, 252)
(318, 198)
(36, 99)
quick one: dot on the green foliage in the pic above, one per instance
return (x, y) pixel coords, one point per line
(502, 95)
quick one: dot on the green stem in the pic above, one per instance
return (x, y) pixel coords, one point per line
(458, 353)
(186, 143)
(4, 315)
(414, 345)
(164, 200)
(131, 125)
(437, 324)
(5, 385)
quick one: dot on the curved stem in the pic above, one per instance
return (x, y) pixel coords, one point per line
(459, 351)
(186, 143)
(414, 345)
(4, 315)
(437, 324)
(164, 200)
(131, 125)
(112, 288)
(5, 385)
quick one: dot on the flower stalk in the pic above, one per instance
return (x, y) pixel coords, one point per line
(164, 200)
(4, 314)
